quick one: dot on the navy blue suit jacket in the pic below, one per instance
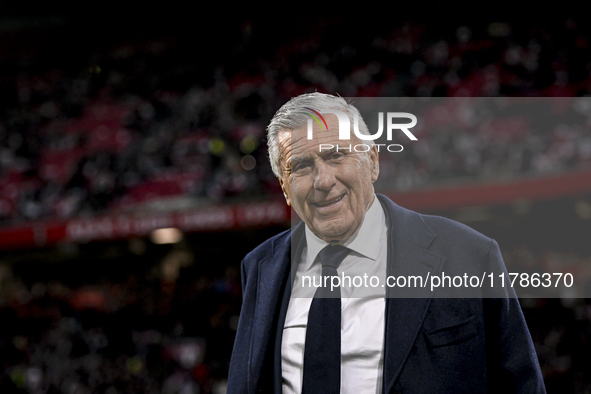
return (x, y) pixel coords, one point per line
(432, 344)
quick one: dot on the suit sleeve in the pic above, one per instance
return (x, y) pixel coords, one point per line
(512, 363)
(237, 374)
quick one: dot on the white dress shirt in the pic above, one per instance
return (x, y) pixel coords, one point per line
(362, 310)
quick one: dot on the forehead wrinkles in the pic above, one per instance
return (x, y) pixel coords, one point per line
(294, 143)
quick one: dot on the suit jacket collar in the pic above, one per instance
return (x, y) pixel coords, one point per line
(272, 290)
(409, 239)
(405, 225)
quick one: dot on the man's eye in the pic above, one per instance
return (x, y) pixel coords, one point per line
(301, 167)
(336, 156)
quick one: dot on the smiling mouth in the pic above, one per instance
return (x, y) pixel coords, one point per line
(331, 202)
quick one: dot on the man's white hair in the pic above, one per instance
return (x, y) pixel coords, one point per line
(291, 116)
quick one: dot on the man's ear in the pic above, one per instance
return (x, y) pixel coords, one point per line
(375, 162)
(285, 193)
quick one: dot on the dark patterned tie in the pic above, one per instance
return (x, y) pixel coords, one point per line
(322, 352)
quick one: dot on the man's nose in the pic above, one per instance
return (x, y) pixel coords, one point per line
(324, 177)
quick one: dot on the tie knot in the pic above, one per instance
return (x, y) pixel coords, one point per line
(333, 255)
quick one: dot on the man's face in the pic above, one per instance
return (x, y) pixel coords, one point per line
(329, 190)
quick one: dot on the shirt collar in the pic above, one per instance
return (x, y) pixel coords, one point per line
(365, 242)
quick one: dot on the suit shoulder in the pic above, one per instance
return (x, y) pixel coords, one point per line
(449, 230)
(442, 234)
(263, 250)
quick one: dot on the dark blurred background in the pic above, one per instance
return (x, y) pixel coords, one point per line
(134, 175)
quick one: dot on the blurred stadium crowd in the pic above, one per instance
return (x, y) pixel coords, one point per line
(140, 122)
(165, 332)
(135, 123)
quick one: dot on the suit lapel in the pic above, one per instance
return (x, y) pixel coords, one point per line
(273, 273)
(298, 242)
(408, 238)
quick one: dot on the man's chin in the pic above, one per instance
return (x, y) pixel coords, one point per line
(333, 233)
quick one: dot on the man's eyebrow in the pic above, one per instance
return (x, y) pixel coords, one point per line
(331, 150)
(339, 149)
(324, 153)
(296, 160)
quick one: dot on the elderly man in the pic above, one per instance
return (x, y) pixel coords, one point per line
(297, 338)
